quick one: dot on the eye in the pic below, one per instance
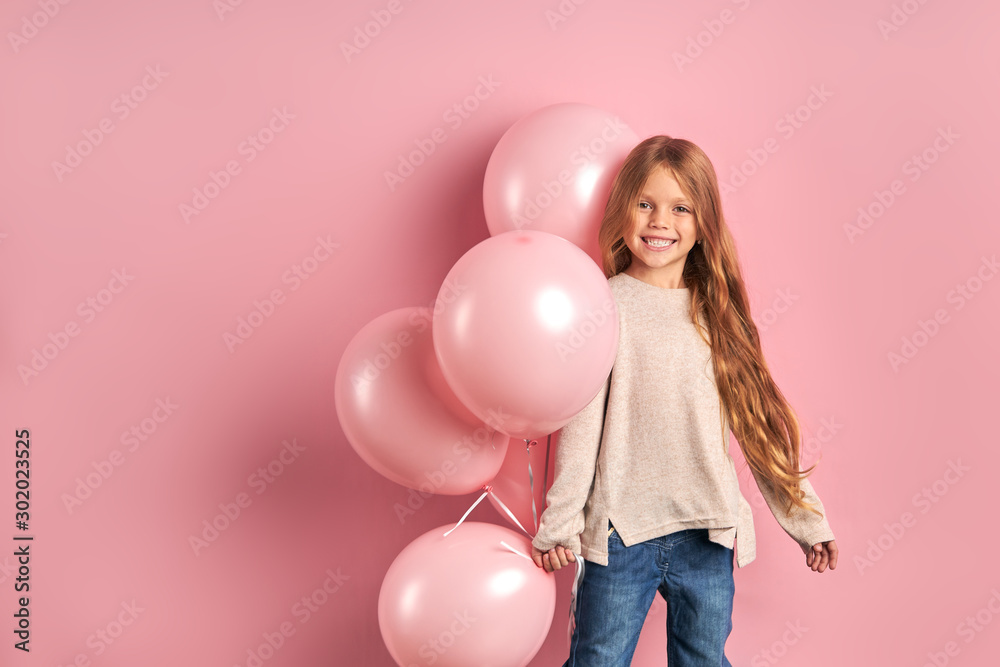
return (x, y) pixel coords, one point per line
(683, 208)
(642, 203)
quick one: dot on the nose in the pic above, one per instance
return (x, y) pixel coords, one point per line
(659, 219)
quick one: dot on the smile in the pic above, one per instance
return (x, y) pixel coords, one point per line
(658, 244)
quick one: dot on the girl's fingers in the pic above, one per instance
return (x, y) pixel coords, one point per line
(820, 561)
(551, 563)
(833, 555)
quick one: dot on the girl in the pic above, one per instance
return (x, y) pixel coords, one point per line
(645, 488)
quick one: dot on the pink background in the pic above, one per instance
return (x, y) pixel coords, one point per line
(831, 308)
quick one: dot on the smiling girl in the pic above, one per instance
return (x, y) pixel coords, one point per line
(645, 489)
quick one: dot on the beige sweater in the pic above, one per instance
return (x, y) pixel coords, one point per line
(650, 453)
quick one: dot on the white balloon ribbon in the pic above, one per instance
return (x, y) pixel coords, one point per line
(531, 481)
(486, 489)
(578, 577)
(519, 553)
(508, 512)
(572, 600)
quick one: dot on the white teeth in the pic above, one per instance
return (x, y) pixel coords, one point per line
(658, 243)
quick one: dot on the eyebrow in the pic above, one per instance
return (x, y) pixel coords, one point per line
(685, 200)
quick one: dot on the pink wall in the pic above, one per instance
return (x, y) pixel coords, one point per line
(158, 97)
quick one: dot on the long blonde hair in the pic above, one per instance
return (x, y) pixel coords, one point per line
(761, 419)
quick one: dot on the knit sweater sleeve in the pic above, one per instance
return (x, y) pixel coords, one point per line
(575, 467)
(803, 526)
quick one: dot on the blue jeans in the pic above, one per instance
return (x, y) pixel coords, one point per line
(695, 577)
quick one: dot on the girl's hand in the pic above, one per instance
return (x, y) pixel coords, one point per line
(822, 554)
(553, 559)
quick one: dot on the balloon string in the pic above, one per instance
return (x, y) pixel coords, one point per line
(545, 479)
(578, 577)
(486, 490)
(572, 599)
(523, 555)
(509, 513)
(531, 482)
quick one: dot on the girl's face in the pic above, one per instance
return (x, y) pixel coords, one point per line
(663, 233)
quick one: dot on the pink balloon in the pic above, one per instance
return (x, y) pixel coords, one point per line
(401, 417)
(512, 485)
(465, 599)
(552, 172)
(526, 331)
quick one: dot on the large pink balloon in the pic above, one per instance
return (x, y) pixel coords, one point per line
(552, 171)
(465, 599)
(513, 486)
(400, 415)
(526, 331)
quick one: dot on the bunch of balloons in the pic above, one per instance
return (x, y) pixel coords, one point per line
(522, 336)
